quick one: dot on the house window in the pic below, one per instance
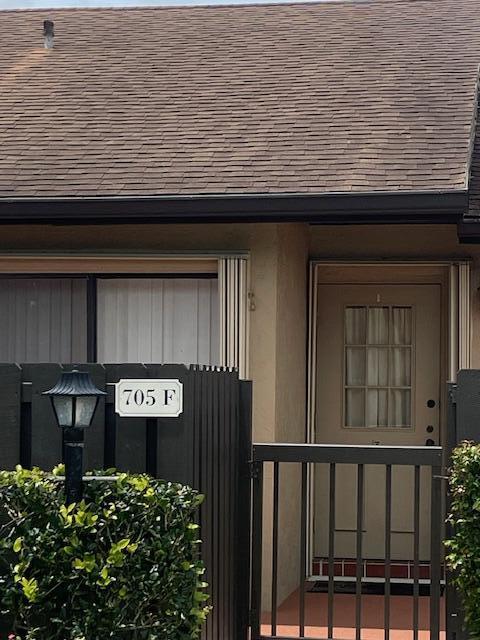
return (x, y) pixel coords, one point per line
(378, 359)
(110, 319)
(155, 320)
(43, 320)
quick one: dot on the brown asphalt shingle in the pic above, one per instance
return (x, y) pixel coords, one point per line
(328, 97)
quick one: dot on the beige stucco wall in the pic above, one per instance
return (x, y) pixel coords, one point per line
(277, 330)
(278, 325)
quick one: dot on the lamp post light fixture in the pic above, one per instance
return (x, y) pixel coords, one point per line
(74, 400)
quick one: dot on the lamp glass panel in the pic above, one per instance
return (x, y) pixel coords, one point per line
(63, 406)
(84, 410)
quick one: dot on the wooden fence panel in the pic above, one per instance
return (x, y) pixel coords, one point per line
(208, 447)
(173, 438)
(47, 437)
(130, 433)
(10, 400)
(95, 434)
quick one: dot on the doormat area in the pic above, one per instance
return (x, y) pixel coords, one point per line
(369, 588)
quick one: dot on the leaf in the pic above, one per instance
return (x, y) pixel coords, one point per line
(18, 544)
(30, 588)
(122, 544)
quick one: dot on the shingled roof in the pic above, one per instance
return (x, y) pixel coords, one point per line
(292, 98)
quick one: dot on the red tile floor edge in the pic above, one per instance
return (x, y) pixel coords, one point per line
(371, 568)
(401, 615)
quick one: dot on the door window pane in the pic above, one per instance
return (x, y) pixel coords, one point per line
(355, 407)
(399, 407)
(355, 366)
(158, 320)
(378, 369)
(378, 325)
(377, 407)
(402, 325)
(400, 367)
(43, 320)
(355, 325)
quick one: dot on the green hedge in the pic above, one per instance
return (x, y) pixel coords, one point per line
(464, 547)
(122, 564)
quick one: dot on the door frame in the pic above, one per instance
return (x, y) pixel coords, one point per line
(454, 278)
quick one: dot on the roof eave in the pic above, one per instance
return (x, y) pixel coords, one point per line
(319, 208)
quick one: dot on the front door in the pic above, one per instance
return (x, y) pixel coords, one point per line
(378, 382)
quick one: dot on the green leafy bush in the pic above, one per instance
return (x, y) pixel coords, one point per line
(122, 564)
(464, 547)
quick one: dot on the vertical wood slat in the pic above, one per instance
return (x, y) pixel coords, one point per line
(217, 393)
(217, 454)
(10, 413)
(130, 439)
(47, 443)
(170, 442)
(95, 434)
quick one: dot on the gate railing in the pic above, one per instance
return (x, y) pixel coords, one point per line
(334, 456)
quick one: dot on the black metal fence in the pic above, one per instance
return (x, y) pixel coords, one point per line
(334, 457)
(207, 447)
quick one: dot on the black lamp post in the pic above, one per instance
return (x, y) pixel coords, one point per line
(74, 400)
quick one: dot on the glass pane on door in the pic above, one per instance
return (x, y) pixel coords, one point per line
(43, 320)
(378, 348)
(158, 320)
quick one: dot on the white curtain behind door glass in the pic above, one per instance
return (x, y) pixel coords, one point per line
(158, 320)
(43, 320)
(378, 363)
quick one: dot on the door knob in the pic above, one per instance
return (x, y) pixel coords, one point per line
(429, 442)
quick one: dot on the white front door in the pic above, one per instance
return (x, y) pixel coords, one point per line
(378, 382)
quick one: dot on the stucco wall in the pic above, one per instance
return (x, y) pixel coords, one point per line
(290, 407)
(278, 279)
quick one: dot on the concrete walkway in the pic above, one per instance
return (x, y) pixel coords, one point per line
(401, 615)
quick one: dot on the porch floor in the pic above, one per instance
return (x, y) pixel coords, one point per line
(401, 614)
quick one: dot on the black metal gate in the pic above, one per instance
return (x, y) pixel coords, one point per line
(207, 447)
(305, 456)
